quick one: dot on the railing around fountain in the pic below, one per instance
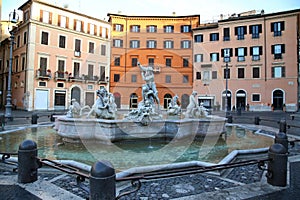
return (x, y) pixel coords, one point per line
(102, 176)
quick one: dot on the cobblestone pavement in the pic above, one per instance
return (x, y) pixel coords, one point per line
(173, 187)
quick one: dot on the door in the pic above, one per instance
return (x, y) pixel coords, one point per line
(278, 99)
(41, 100)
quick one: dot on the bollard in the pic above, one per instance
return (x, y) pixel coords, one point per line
(277, 167)
(229, 118)
(282, 126)
(34, 118)
(27, 162)
(2, 119)
(52, 119)
(256, 120)
(102, 181)
(239, 111)
(281, 138)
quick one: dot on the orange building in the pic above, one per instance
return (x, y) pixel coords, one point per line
(58, 55)
(163, 42)
(261, 52)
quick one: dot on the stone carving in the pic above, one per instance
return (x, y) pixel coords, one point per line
(146, 110)
(174, 106)
(105, 106)
(74, 109)
(193, 110)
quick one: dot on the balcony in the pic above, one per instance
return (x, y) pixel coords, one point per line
(61, 76)
(43, 74)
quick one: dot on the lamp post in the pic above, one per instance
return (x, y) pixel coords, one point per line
(13, 19)
(226, 87)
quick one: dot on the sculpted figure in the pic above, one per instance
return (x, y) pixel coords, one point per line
(74, 109)
(174, 107)
(193, 110)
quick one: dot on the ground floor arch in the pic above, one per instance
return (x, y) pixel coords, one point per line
(241, 98)
(278, 99)
(167, 100)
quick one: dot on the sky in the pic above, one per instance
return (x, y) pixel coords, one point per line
(209, 10)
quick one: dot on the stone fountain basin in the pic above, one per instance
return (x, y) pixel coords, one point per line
(75, 130)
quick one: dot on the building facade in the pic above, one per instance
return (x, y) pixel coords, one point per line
(261, 54)
(162, 42)
(58, 55)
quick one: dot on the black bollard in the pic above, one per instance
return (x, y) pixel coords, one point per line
(52, 119)
(229, 119)
(281, 138)
(277, 166)
(27, 162)
(102, 181)
(2, 121)
(34, 118)
(239, 111)
(282, 126)
(256, 120)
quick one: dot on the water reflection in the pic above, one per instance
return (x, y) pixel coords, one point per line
(136, 153)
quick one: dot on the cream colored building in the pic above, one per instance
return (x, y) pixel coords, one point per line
(58, 55)
(261, 51)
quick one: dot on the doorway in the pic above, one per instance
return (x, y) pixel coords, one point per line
(241, 99)
(278, 99)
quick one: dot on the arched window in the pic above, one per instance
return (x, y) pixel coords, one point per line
(167, 100)
(133, 101)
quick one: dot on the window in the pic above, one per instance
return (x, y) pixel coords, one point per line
(91, 47)
(278, 72)
(102, 73)
(198, 75)
(44, 39)
(61, 68)
(117, 43)
(277, 28)
(133, 78)
(206, 75)
(227, 74)
(185, 62)
(26, 16)
(90, 71)
(226, 34)
(43, 66)
(151, 29)
(278, 50)
(240, 31)
(76, 69)
(23, 63)
(214, 74)
(255, 30)
(116, 77)
(168, 62)
(62, 41)
(60, 85)
(226, 54)
(241, 73)
(151, 62)
(185, 79)
(77, 47)
(25, 38)
(214, 57)
(241, 53)
(103, 49)
(135, 28)
(256, 52)
(62, 21)
(134, 62)
(46, 17)
(255, 72)
(168, 78)
(117, 61)
(91, 29)
(255, 97)
(185, 44)
(198, 38)
(151, 44)
(103, 32)
(198, 57)
(214, 37)
(168, 44)
(185, 28)
(78, 25)
(16, 64)
(168, 29)
(118, 27)
(134, 43)
(18, 40)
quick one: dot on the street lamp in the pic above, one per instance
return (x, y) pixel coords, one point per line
(226, 86)
(13, 19)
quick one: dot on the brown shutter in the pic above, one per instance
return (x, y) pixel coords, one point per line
(67, 22)
(95, 30)
(82, 27)
(59, 18)
(50, 18)
(75, 24)
(41, 15)
(106, 33)
(100, 34)
(89, 28)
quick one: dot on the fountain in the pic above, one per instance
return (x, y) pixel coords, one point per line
(143, 122)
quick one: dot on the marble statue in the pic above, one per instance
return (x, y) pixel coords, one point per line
(146, 110)
(105, 106)
(174, 107)
(193, 110)
(74, 109)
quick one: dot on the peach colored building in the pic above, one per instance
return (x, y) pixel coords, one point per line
(163, 42)
(261, 52)
(58, 55)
